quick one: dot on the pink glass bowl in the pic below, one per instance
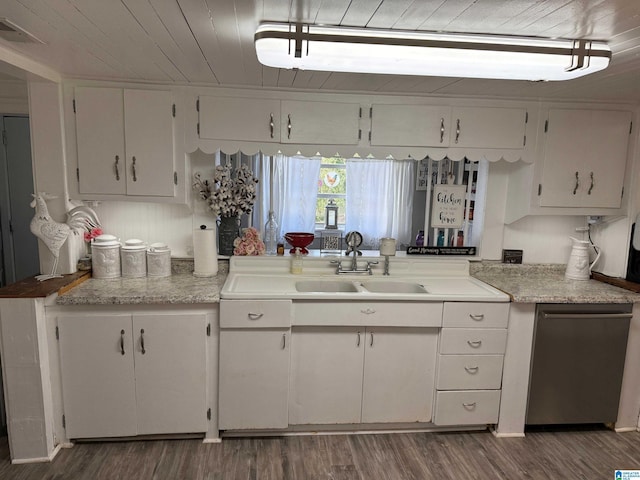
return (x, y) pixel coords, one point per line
(300, 240)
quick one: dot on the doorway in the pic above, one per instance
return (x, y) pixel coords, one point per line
(19, 246)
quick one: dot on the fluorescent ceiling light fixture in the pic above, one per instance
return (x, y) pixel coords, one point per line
(398, 52)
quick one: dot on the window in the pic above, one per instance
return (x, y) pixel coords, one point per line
(332, 185)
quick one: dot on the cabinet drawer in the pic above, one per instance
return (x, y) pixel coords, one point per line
(473, 407)
(255, 313)
(472, 341)
(390, 314)
(467, 372)
(475, 315)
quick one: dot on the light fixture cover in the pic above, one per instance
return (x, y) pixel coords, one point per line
(397, 52)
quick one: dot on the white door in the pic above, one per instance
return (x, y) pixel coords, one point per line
(480, 127)
(410, 125)
(254, 378)
(96, 356)
(170, 367)
(149, 142)
(399, 374)
(233, 118)
(326, 375)
(325, 123)
(100, 140)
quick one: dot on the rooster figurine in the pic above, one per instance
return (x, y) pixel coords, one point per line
(53, 233)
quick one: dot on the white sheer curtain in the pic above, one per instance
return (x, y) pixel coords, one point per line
(295, 191)
(380, 199)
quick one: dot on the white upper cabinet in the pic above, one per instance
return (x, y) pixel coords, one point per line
(124, 142)
(411, 125)
(488, 127)
(585, 155)
(235, 118)
(325, 123)
(446, 126)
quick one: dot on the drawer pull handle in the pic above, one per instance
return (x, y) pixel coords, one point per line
(477, 317)
(122, 342)
(474, 343)
(255, 316)
(142, 341)
(371, 344)
(472, 370)
(469, 406)
(358, 344)
(368, 311)
(284, 341)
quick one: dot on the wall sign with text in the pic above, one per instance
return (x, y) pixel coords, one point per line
(447, 210)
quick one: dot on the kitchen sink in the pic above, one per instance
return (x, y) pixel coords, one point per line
(325, 286)
(394, 287)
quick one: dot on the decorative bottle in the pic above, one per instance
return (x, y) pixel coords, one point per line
(420, 239)
(440, 240)
(271, 234)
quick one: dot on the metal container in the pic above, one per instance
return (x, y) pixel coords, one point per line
(134, 259)
(105, 257)
(158, 260)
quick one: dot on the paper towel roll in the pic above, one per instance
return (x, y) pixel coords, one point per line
(205, 255)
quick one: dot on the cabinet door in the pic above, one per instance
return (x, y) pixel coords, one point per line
(399, 374)
(149, 142)
(410, 125)
(233, 118)
(98, 390)
(170, 367)
(479, 127)
(326, 375)
(326, 123)
(584, 159)
(254, 378)
(100, 140)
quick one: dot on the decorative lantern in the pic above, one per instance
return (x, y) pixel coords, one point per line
(331, 215)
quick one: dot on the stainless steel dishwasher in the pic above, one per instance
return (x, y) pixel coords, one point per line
(578, 361)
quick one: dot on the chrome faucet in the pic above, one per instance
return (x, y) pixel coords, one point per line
(354, 266)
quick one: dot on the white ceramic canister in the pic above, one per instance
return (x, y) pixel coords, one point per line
(133, 255)
(158, 260)
(105, 257)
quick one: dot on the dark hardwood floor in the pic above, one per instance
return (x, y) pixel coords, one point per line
(577, 453)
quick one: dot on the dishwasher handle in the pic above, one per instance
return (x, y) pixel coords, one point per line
(586, 315)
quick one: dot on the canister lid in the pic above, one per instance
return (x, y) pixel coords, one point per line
(134, 244)
(158, 248)
(105, 240)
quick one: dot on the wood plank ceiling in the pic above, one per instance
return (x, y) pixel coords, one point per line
(210, 42)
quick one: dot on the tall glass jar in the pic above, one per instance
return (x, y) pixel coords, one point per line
(271, 234)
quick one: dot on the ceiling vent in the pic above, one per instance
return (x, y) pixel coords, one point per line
(11, 32)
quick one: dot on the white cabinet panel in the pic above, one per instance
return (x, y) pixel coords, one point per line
(475, 315)
(585, 155)
(254, 378)
(473, 341)
(100, 139)
(98, 381)
(255, 313)
(235, 118)
(170, 373)
(326, 375)
(111, 389)
(410, 125)
(465, 372)
(328, 123)
(483, 127)
(399, 374)
(124, 141)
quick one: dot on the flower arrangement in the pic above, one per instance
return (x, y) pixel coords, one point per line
(249, 244)
(92, 233)
(230, 193)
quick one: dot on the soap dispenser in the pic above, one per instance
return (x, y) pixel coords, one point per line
(296, 262)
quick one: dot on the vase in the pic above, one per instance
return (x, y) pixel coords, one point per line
(228, 231)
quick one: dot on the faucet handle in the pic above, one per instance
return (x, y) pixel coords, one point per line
(372, 263)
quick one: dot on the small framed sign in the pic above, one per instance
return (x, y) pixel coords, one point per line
(447, 209)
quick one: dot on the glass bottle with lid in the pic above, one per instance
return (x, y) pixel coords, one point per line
(271, 234)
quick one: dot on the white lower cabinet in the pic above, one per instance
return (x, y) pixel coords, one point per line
(470, 361)
(254, 364)
(362, 374)
(141, 374)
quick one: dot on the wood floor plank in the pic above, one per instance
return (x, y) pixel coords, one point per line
(589, 453)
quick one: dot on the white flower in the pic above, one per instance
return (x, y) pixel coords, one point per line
(231, 193)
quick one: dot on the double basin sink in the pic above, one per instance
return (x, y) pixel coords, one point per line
(352, 286)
